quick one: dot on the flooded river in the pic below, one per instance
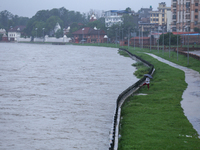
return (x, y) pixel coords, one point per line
(59, 97)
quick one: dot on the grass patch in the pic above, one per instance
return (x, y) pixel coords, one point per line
(171, 56)
(156, 120)
(141, 69)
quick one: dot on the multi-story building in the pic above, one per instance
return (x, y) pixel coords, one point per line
(185, 15)
(161, 16)
(144, 14)
(113, 17)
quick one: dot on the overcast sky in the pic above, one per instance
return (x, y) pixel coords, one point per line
(28, 8)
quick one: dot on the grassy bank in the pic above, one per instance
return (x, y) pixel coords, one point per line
(156, 120)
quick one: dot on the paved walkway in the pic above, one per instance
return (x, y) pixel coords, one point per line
(196, 52)
(191, 96)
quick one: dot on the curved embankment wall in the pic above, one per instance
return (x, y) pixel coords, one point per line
(122, 97)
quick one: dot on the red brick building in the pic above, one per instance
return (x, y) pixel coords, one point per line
(89, 35)
(145, 40)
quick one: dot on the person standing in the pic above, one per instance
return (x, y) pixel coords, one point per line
(147, 82)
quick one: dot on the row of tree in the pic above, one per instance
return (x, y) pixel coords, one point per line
(44, 21)
(8, 20)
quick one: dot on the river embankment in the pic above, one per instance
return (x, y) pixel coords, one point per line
(157, 120)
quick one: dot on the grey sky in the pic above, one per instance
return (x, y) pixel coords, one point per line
(28, 8)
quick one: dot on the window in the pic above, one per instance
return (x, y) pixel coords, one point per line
(196, 4)
(196, 10)
(196, 16)
(187, 4)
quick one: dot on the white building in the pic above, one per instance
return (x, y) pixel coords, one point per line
(2, 31)
(113, 17)
(57, 27)
(15, 33)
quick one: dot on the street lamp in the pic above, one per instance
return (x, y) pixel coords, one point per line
(177, 43)
(134, 38)
(163, 38)
(169, 42)
(83, 35)
(107, 36)
(116, 37)
(187, 27)
(128, 36)
(98, 35)
(158, 38)
(139, 38)
(122, 38)
(142, 36)
(36, 32)
(150, 38)
(43, 33)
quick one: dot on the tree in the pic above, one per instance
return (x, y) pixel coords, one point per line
(173, 39)
(51, 17)
(51, 23)
(7, 20)
(128, 9)
(59, 33)
(39, 25)
(197, 29)
(99, 24)
(128, 24)
(114, 31)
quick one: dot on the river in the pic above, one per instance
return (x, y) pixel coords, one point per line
(59, 97)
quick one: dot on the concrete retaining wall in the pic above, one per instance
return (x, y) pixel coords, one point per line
(114, 134)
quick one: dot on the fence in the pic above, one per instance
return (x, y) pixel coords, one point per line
(181, 50)
(120, 100)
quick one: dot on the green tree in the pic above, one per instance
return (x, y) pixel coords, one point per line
(173, 39)
(51, 23)
(99, 24)
(59, 33)
(197, 29)
(51, 17)
(39, 25)
(128, 9)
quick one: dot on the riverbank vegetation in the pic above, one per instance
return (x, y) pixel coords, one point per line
(155, 119)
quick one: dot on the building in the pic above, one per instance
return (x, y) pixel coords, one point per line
(2, 31)
(15, 33)
(93, 18)
(114, 17)
(57, 27)
(4, 38)
(185, 15)
(144, 15)
(160, 16)
(148, 27)
(89, 35)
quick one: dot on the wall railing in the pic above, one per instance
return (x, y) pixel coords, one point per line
(114, 135)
